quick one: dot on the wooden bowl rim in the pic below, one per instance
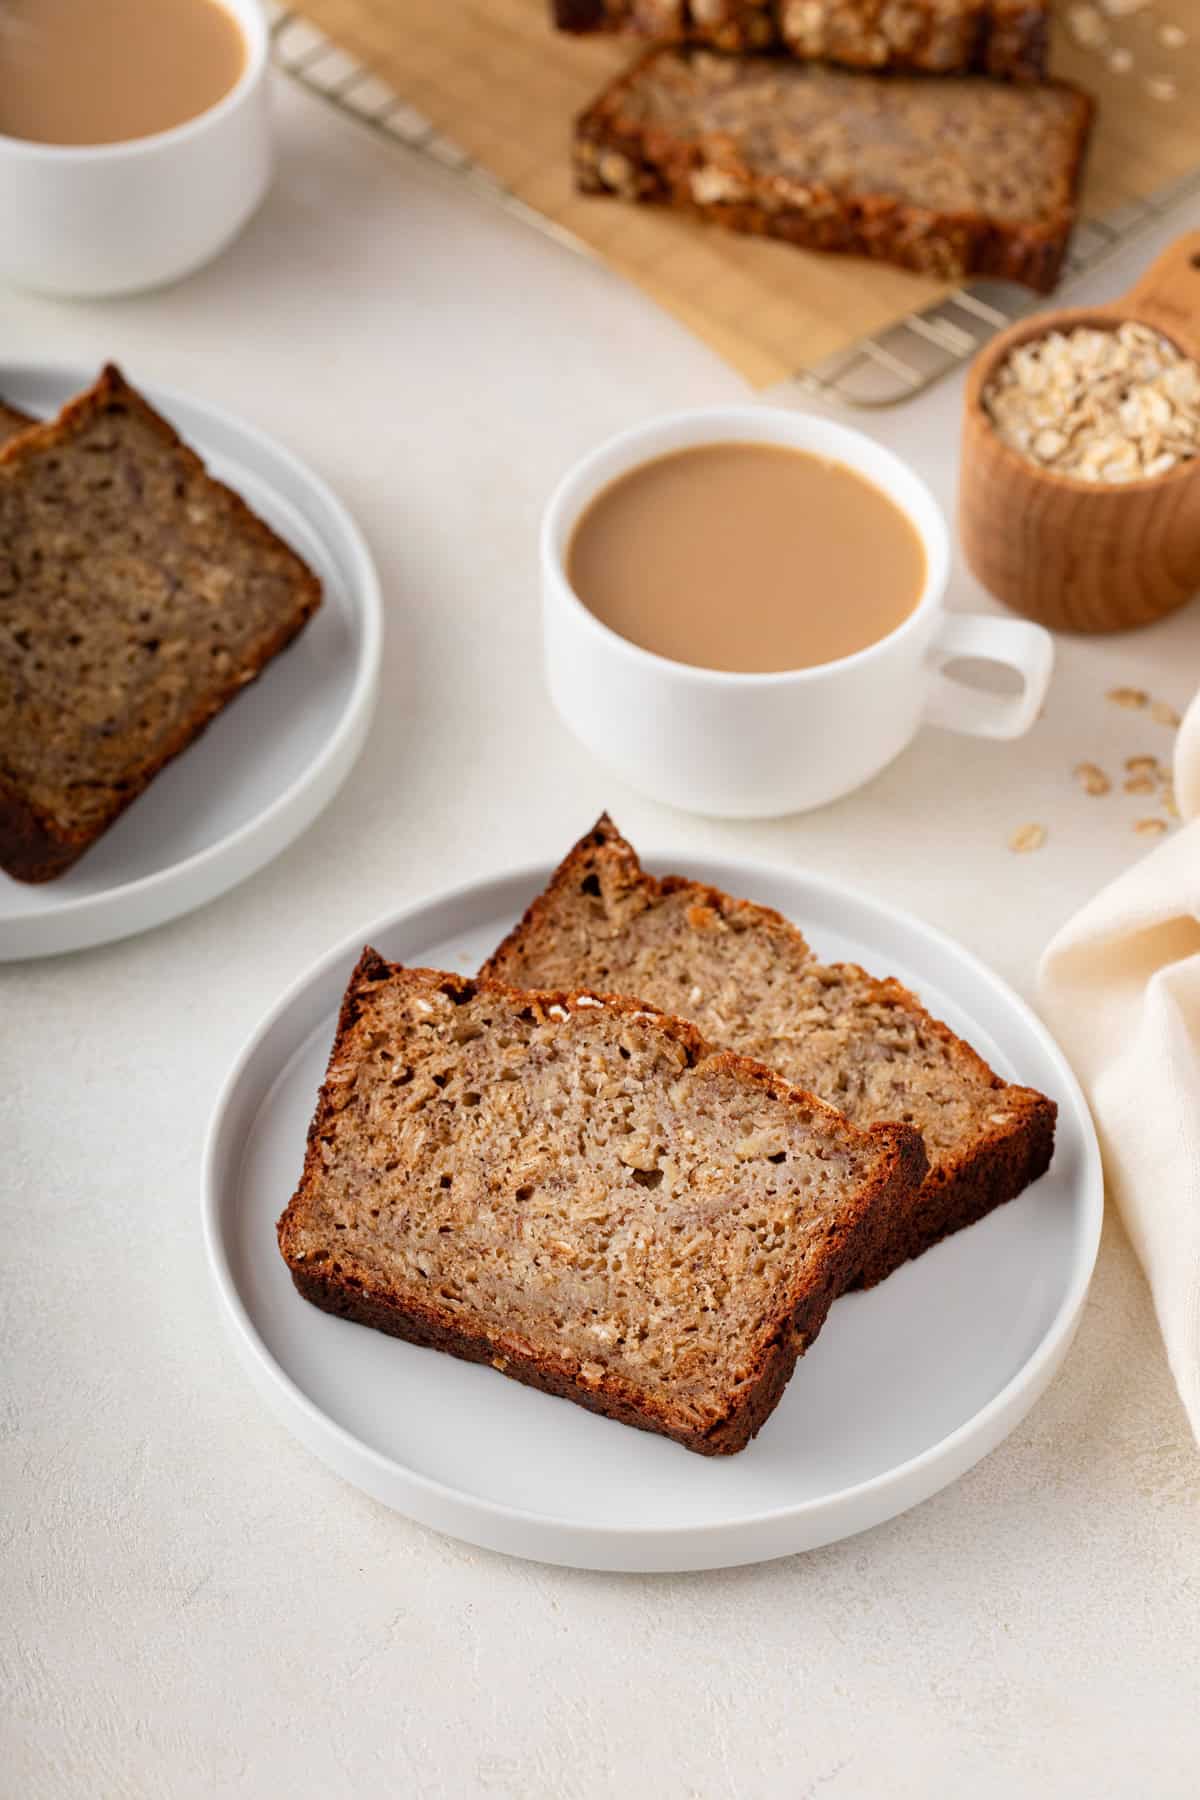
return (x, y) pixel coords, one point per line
(1106, 318)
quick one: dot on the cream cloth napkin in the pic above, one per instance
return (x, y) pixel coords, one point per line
(1120, 987)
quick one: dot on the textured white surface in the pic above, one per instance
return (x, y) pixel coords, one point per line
(190, 1605)
(1121, 984)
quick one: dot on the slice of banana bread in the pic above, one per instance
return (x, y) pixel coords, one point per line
(745, 976)
(951, 177)
(12, 421)
(942, 37)
(138, 596)
(585, 1195)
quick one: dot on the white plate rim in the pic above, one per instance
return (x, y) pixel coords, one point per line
(287, 812)
(562, 1540)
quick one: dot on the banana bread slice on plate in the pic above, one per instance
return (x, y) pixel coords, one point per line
(138, 597)
(584, 1194)
(746, 978)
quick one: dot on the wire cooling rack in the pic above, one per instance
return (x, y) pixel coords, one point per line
(880, 370)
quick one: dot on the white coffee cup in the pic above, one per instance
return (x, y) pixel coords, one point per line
(101, 219)
(758, 746)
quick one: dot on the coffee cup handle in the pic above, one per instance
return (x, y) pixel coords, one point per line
(955, 706)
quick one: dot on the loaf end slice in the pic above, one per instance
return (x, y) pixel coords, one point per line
(585, 1195)
(138, 597)
(1003, 38)
(744, 975)
(954, 177)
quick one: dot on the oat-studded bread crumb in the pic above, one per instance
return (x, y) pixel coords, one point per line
(138, 596)
(583, 1194)
(746, 978)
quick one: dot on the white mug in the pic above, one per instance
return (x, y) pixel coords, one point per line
(757, 746)
(101, 219)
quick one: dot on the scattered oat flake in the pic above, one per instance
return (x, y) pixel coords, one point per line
(1127, 696)
(1122, 9)
(1141, 784)
(1137, 764)
(1026, 838)
(1120, 61)
(1150, 827)
(1092, 779)
(1172, 37)
(1160, 87)
(1163, 713)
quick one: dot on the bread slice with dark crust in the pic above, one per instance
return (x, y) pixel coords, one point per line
(950, 177)
(746, 977)
(138, 597)
(1004, 38)
(584, 1194)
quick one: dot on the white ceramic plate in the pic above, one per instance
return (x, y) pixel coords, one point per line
(269, 763)
(907, 1386)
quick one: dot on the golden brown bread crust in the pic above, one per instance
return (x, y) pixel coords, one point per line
(336, 1294)
(605, 837)
(996, 1169)
(617, 152)
(1015, 44)
(998, 1164)
(1007, 39)
(13, 421)
(336, 1290)
(32, 847)
(36, 846)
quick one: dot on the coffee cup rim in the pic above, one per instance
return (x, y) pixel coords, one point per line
(250, 19)
(750, 423)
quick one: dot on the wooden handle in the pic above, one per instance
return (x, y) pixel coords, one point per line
(1168, 294)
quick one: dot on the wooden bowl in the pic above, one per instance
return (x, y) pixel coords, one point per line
(1079, 555)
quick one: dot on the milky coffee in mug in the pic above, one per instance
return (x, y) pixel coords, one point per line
(747, 557)
(784, 706)
(110, 71)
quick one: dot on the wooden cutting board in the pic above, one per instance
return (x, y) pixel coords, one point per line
(496, 79)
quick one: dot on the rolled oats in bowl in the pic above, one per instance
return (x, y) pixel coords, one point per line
(1098, 405)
